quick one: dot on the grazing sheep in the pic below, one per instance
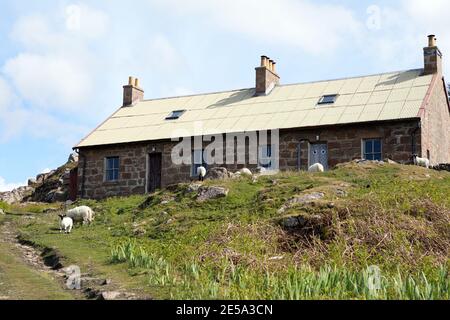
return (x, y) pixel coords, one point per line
(81, 214)
(201, 173)
(421, 162)
(317, 167)
(246, 172)
(66, 224)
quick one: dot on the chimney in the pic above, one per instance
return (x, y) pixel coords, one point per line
(132, 93)
(266, 76)
(432, 57)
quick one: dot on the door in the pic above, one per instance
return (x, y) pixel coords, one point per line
(73, 184)
(154, 172)
(318, 153)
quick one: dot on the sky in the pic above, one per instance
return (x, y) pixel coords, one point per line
(63, 63)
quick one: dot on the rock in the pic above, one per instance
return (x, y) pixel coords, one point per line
(90, 281)
(110, 295)
(218, 173)
(246, 172)
(193, 187)
(303, 199)
(290, 222)
(59, 196)
(389, 161)
(341, 193)
(17, 195)
(207, 193)
(73, 157)
(2, 213)
(31, 182)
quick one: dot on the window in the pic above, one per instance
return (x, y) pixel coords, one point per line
(175, 115)
(372, 149)
(328, 99)
(112, 169)
(198, 160)
(265, 157)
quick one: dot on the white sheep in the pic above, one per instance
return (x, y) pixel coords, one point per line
(66, 224)
(201, 173)
(317, 167)
(81, 214)
(422, 162)
(246, 172)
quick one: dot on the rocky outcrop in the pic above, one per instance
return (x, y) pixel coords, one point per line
(17, 195)
(46, 187)
(442, 167)
(208, 193)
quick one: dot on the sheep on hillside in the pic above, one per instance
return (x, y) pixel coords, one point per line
(317, 167)
(201, 173)
(66, 224)
(422, 162)
(81, 214)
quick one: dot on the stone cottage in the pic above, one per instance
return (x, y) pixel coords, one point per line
(393, 115)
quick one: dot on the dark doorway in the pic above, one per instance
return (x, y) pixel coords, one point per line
(154, 172)
(73, 184)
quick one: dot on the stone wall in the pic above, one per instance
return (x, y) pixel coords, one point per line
(344, 144)
(436, 126)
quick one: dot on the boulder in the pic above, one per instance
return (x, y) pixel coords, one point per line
(207, 193)
(2, 213)
(218, 173)
(59, 196)
(303, 199)
(193, 187)
(31, 182)
(110, 295)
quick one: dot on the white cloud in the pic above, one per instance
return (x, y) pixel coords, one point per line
(5, 186)
(315, 28)
(50, 81)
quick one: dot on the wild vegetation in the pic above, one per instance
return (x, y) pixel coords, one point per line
(389, 219)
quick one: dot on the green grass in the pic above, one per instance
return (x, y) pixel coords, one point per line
(395, 217)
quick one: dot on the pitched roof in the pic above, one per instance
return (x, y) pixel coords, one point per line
(388, 96)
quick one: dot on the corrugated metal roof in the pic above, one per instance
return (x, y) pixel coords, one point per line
(387, 96)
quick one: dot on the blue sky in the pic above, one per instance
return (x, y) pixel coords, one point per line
(63, 63)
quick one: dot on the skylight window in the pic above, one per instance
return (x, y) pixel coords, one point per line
(328, 99)
(175, 115)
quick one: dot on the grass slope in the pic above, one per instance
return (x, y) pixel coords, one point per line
(389, 216)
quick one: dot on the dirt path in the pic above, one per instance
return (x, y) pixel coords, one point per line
(23, 274)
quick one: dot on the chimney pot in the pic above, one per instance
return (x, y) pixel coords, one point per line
(271, 65)
(130, 81)
(274, 67)
(263, 61)
(136, 83)
(432, 40)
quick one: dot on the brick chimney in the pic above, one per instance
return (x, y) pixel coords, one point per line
(432, 57)
(266, 76)
(132, 93)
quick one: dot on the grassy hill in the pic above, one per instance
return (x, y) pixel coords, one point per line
(373, 219)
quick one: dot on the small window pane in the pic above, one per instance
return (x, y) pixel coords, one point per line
(112, 169)
(328, 99)
(175, 115)
(376, 146)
